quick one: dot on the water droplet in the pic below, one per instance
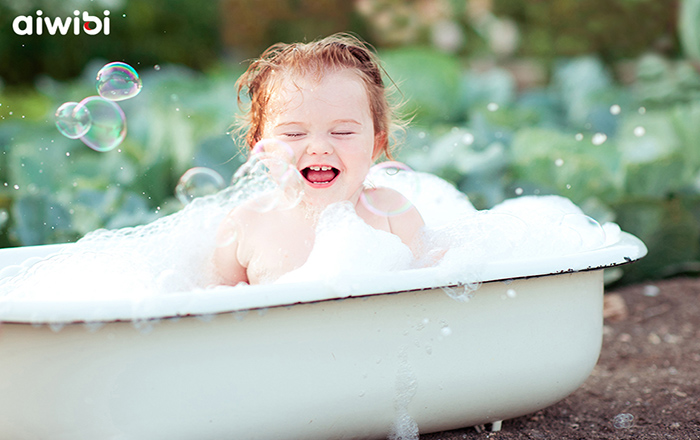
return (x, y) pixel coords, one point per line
(92, 327)
(144, 326)
(118, 81)
(462, 293)
(156, 67)
(651, 290)
(468, 139)
(559, 162)
(579, 136)
(56, 327)
(446, 330)
(492, 107)
(615, 109)
(511, 293)
(642, 110)
(518, 191)
(206, 318)
(639, 131)
(623, 421)
(599, 138)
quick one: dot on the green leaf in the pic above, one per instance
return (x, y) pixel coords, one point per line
(428, 82)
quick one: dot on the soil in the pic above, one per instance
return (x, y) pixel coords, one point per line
(646, 384)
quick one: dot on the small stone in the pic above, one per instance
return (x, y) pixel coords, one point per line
(614, 308)
(653, 338)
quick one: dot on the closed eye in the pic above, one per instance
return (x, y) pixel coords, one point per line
(342, 133)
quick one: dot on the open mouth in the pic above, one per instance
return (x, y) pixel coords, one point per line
(320, 175)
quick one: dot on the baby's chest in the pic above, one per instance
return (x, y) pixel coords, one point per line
(277, 253)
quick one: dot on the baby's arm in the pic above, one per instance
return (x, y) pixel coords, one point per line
(226, 261)
(405, 223)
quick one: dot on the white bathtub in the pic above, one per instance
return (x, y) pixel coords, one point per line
(304, 361)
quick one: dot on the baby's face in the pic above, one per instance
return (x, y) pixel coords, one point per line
(329, 126)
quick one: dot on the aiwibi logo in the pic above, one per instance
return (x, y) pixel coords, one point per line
(91, 25)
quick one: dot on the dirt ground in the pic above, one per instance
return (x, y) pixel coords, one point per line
(646, 384)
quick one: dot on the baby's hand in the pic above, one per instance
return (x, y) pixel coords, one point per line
(431, 257)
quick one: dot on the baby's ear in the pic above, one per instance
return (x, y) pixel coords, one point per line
(380, 144)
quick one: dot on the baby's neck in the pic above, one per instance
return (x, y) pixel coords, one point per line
(312, 212)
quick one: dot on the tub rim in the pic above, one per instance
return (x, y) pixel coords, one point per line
(222, 300)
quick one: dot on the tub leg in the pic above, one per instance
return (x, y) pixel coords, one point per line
(496, 426)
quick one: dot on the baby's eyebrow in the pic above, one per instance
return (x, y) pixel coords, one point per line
(285, 124)
(347, 121)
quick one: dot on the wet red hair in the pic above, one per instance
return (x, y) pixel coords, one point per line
(338, 51)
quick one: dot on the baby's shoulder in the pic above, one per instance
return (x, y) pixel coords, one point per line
(384, 198)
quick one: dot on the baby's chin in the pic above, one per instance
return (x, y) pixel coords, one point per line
(322, 198)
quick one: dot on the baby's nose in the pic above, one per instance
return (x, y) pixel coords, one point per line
(319, 146)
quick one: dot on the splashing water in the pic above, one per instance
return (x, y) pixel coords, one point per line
(198, 182)
(108, 127)
(71, 123)
(118, 81)
(276, 181)
(463, 292)
(404, 427)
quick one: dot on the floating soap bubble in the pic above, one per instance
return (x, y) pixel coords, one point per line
(585, 230)
(118, 81)
(500, 233)
(401, 176)
(108, 127)
(275, 149)
(198, 182)
(269, 181)
(72, 121)
(623, 421)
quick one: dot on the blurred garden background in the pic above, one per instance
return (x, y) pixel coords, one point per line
(595, 100)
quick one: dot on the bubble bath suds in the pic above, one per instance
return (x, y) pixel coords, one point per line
(173, 254)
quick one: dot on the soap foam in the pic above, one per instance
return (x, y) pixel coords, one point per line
(173, 254)
(168, 255)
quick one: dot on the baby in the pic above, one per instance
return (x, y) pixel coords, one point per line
(327, 101)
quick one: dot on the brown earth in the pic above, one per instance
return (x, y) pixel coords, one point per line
(648, 371)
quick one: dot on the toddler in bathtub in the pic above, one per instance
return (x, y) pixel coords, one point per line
(327, 101)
